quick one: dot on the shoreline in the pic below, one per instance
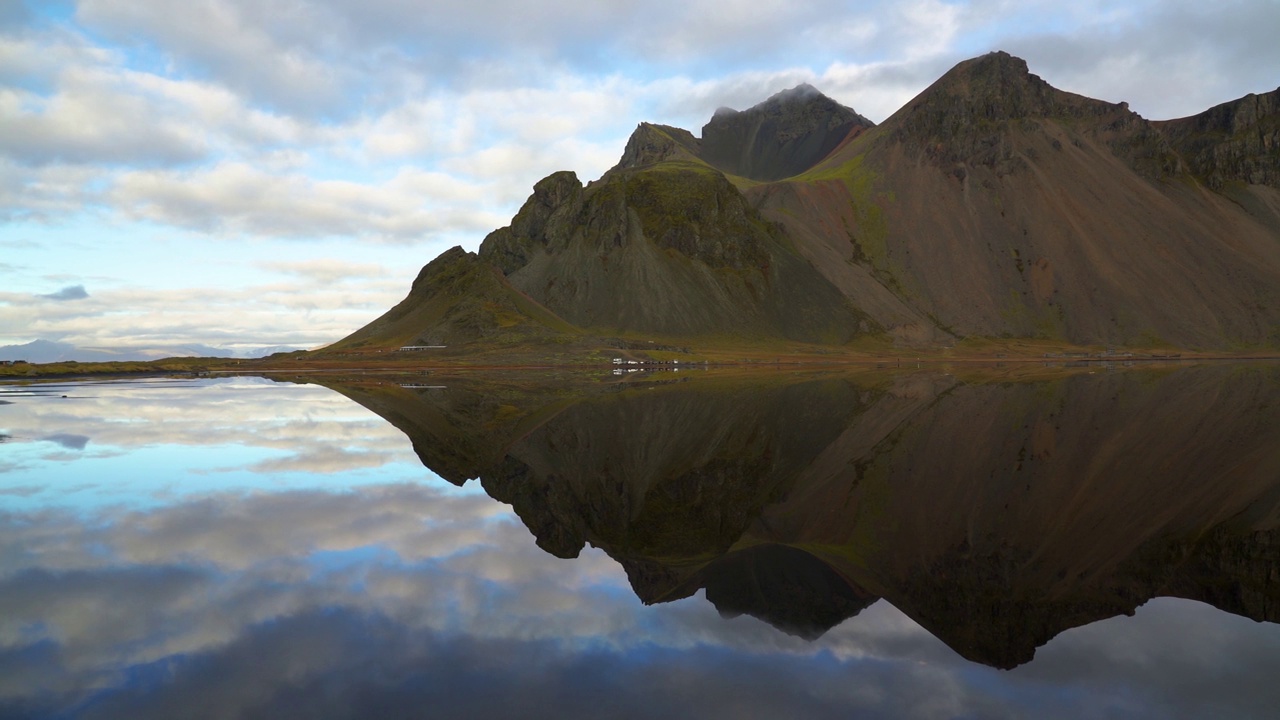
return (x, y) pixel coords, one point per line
(216, 367)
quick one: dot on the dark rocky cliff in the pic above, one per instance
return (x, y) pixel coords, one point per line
(782, 136)
(1236, 141)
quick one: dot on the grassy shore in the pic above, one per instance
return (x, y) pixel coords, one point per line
(588, 353)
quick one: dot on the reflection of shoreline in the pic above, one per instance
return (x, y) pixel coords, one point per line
(997, 514)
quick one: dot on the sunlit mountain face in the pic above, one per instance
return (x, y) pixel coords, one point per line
(747, 545)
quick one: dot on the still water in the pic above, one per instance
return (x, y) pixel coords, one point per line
(1086, 542)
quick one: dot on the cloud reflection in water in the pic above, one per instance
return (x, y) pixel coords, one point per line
(403, 599)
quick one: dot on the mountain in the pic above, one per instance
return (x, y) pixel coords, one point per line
(991, 206)
(996, 512)
(997, 206)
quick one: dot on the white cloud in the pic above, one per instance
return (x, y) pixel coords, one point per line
(47, 193)
(237, 198)
(303, 313)
(326, 270)
(89, 121)
(233, 42)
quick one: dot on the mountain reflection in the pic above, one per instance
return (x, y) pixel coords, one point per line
(995, 510)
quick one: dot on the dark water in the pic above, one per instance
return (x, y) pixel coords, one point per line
(1084, 542)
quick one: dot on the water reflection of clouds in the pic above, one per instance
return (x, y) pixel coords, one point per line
(409, 593)
(237, 411)
(160, 440)
(326, 460)
(365, 601)
(199, 582)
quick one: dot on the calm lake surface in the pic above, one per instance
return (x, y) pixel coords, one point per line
(1028, 542)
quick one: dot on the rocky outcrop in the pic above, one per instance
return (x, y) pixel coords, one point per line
(651, 144)
(1237, 141)
(546, 220)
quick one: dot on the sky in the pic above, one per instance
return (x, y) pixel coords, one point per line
(250, 173)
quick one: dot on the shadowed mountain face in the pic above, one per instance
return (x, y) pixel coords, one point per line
(782, 136)
(992, 205)
(995, 512)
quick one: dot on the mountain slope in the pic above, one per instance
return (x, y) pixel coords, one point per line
(457, 299)
(665, 244)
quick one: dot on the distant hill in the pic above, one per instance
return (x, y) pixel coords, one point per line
(48, 351)
(991, 206)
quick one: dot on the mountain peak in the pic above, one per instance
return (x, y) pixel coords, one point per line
(996, 64)
(996, 86)
(651, 143)
(967, 115)
(783, 136)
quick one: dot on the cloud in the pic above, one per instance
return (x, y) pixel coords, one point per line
(71, 292)
(13, 13)
(265, 315)
(237, 198)
(250, 48)
(45, 194)
(326, 270)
